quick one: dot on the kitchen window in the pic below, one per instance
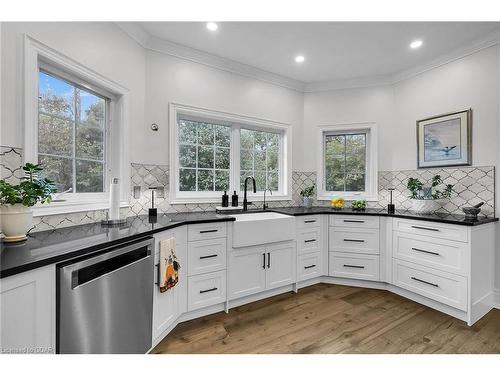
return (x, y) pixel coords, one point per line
(348, 162)
(213, 152)
(71, 134)
(76, 123)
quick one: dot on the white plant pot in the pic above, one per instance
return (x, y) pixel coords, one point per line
(308, 202)
(16, 221)
(425, 206)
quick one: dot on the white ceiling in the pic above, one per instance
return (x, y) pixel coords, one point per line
(334, 51)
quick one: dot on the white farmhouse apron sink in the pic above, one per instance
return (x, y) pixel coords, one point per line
(262, 228)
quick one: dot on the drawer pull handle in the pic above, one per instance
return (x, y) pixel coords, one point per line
(311, 266)
(208, 290)
(208, 231)
(313, 240)
(208, 256)
(352, 266)
(354, 221)
(425, 228)
(309, 221)
(350, 240)
(425, 251)
(425, 282)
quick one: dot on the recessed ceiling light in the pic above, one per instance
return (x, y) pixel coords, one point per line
(212, 26)
(299, 59)
(416, 44)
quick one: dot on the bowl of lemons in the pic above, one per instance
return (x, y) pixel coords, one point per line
(337, 203)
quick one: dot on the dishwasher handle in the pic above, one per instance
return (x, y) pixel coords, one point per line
(89, 269)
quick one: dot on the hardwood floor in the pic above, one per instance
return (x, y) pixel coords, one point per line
(333, 319)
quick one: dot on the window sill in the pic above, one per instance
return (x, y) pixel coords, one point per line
(59, 208)
(347, 197)
(251, 197)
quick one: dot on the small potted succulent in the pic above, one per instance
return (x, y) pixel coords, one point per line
(358, 205)
(17, 201)
(307, 195)
(429, 199)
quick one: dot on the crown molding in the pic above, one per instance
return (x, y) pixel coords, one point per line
(156, 44)
(478, 45)
(149, 42)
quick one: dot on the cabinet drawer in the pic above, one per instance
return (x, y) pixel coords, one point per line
(308, 221)
(449, 256)
(309, 266)
(437, 285)
(354, 266)
(207, 231)
(206, 290)
(365, 241)
(309, 240)
(431, 229)
(354, 221)
(206, 256)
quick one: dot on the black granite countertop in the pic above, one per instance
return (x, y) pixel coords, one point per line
(54, 246)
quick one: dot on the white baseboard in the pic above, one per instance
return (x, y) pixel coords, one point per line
(496, 298)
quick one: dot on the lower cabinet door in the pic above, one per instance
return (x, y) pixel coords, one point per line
(247, 272)
(169, 305)
(280, 263)
(27, 312)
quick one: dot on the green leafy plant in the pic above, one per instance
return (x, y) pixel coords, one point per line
(418, 191)
(308, 191)
(358, 204)
(32, 189)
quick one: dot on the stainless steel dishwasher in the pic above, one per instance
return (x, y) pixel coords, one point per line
(105, 301)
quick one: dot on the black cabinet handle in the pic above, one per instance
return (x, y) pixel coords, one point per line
(313, 240)
(354, 221)
(350, 240)
(209, 231)
(425, 228)
(311, 266)
(268, 260)
(425, 251)
(208, 290)
(208, 256)
(264, 260)
(425, 282)
(157, 266)
(309, 221)
(352, 266)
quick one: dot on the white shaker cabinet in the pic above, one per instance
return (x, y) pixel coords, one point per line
(280, 265)
(168, 306)
(27, 312)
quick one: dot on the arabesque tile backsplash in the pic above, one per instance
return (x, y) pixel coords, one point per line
(472, 185)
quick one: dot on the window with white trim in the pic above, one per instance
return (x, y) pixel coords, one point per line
(213, 152)
(71, 134)
(348, 162)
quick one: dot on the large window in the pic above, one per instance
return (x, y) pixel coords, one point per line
(71, 134)
(214, 152)
(348, 162)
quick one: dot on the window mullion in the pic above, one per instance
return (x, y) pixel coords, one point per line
(75, 115)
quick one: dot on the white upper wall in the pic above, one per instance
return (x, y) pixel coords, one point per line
(173, 80)
(102, 47)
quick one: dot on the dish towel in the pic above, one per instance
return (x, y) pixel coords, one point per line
(169, 265)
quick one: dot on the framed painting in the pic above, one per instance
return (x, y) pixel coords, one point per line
(445, 140)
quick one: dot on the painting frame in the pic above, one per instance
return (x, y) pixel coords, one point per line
(455, 126)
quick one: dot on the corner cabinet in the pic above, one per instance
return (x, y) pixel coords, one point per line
(259, 268)
(27, 312)
(170, 305)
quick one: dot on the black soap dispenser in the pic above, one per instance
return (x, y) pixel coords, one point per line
(225, 199)
(390, 207)
(234, 199)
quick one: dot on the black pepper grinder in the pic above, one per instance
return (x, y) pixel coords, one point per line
(390, 207)
(234, 199)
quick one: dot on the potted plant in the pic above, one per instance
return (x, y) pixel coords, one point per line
(307, 195)
(427, 199)
(16, 201)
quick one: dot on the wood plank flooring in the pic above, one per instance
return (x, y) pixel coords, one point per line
(333, 319)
